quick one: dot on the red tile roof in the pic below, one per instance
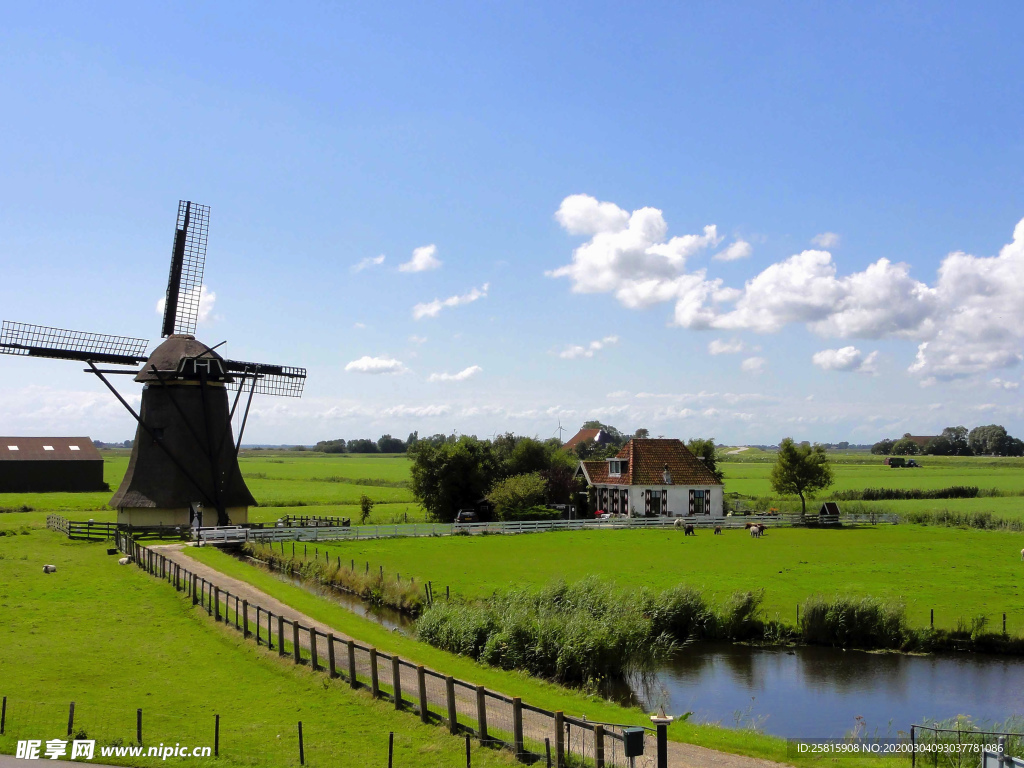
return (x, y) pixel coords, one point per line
(585, 436)
(646, 460)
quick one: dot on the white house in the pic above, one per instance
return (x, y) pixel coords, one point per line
(648, 478)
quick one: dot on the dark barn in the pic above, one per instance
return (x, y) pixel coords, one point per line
(41, 464)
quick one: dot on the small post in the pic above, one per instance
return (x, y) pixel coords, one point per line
(933, 618)
(331, 668)
(559, 739)
(396, 680)
(469, 756)
(302, 753)
(374, 679)
(517, 725)
(270, 633)
(216, 735)
(312, 649)
(1004, 623)
(391, 748)
(216, 603)
(245, 618)
(453, 715)
(296, 648)
(547, 750)
(280, 635)
(599, 746)
(421, 680)
(192, 587)
(448, 593)
(798, 615)
(481, 714)
(71, 719)
(3, 716)
(138, 726)
(352, 664)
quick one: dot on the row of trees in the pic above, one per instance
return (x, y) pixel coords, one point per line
(383, 444)
(989, 440)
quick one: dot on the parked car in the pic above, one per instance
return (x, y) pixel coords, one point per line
(466, 516)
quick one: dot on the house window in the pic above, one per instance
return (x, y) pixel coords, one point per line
(73, 447)
(700, 505)
(615, 468)
(47, 447)
(12, 447)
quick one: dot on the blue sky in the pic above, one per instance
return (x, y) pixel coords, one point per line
(549, 153)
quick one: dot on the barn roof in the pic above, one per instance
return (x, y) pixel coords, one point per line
(921, 440)
(48, 449)
(587, 436)
(646, 460)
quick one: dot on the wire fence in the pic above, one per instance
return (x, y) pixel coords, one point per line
(531, 733)
(934, 746)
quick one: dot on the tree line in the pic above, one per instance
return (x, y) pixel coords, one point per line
(988, 440)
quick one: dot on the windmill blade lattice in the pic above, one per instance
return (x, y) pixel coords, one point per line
(281, 380)
(60, 343)
(188, 258)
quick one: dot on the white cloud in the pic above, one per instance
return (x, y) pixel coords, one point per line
(375, 365)
(414, 339)
(723, 347)
(422, 260)
(433, 308)
(369, 261)
(576, 351)
(754, 365)
(465, 373)
(740, 249)
(826, 240)
(1007, 385)
(359, 326)
(584, 215)
(207, 300)
(848, 359)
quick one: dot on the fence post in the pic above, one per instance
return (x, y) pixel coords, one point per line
(312, 649)
(352, 664)
(245, 618)
(270, 631)
(216, 735)
(216, 603)
(331, 668)
(296, 648)
(396, 680)
(469, 758)
(547, 751)
(374, 679)
(517, 725)
(933, 618)
(913, 747)
(421, 681)
(302, 754)
(559, 739)
(453, 715)
(391, 747)
(481, 713)
(71, 719)
(3, 716)
(138, 726)
(599, 746)
(280, 635)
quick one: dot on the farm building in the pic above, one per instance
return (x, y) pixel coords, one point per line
(43, 464)
(648, 478)
(921, 440)
(596, 436)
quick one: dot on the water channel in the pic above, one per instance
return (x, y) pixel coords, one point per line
(801, 691)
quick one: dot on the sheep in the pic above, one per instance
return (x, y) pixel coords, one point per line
(679, 523)
(755, 531)
(124, 561)
(49, 569)
(1022, 555)
(718, 529)
(688, 530)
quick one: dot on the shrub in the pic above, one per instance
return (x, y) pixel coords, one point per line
(515, 496)
(854, 622)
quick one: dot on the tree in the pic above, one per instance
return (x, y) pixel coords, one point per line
(905, 447)
(365, 508)
(883, 447)
(617, 437)
(527, 456)
(642, 434)
(704, 449)
(957, 437)
(989, 439)
(452, 475)
(362, 446)
(331, 446)
(562, 484)
(389, 444)
(411, 440)
(515, 496)
(802, 469)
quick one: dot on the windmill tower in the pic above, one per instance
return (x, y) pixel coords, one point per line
(184, 463)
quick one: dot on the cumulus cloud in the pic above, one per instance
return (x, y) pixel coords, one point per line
(433, 308)
(465, 373)
(740, 249)
(826, 240)
(1009, 386)
(375, 365)
(576, 351)
(369, 261)
(414, 339)
(207, 300)
(849, 359)
(754, 365)
(725, 347)
(423, 260)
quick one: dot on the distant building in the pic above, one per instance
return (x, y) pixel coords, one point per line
(652, 478)
(44, 464)
(596, 436)
(920, 440)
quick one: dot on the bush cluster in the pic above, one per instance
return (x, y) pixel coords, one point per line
(900, 494)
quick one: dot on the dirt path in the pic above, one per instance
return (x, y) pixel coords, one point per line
(535, 727)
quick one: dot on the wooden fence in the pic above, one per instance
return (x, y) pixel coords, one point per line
(530, 733)
(93, 531)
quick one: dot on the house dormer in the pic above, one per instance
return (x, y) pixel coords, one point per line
(617, 467)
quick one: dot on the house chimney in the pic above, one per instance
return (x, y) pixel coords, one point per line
(666, 476)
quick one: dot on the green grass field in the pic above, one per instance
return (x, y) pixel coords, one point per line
(113, 639)
(959, 573)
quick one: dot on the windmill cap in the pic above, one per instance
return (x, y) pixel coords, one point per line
(167, 357)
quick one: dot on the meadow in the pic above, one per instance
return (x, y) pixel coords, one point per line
(961, 574)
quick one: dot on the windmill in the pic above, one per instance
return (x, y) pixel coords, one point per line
(184, 462)
(560, 429)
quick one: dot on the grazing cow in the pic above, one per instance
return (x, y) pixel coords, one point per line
(49, 569)
(688, 530)
(718, 529)
(748, 526)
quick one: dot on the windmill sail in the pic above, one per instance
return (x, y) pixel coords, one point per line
(43, 341)
(281, 380)
(188, 257)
